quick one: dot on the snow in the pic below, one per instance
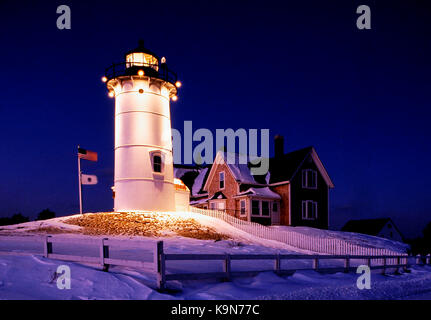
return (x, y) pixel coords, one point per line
(262, 192)
(33, 276)
(238, 164)
(350, 237)
(179, 172)
(197, 184)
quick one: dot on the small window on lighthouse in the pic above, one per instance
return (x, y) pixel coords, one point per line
(157, 163)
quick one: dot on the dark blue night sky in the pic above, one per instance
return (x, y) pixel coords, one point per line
(300, 68)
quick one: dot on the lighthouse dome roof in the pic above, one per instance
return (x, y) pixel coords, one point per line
(141, 49)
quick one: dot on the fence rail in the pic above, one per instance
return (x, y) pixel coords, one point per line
(296, 239)
(376, 262)
(158, 263)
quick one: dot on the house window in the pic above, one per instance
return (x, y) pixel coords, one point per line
(242, 208)
(255, 210)
(213, 206)
(309, 179)
(274, 207)
(221, 176)
(265, 208)
(157, 163)
(309, 210)
(221, 206)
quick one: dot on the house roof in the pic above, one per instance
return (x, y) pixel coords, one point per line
(366, 226)
(261, 192)
(284, 168)
(281, 169)
(218, 195)
(199, 201)
(194, 177)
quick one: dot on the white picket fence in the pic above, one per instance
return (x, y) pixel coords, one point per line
(156, 259)
(296, 239)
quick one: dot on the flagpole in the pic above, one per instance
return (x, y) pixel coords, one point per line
(79, 182)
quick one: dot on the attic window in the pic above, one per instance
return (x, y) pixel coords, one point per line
(309, 179)
(221, 176)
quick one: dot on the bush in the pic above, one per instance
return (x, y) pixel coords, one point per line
(422, 245)
(45, 214)
(15, 219)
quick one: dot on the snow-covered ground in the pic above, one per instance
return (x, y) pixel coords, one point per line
(33, 277)
(351, 237)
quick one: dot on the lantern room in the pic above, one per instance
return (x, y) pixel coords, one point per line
(142, 57)
(141, 63)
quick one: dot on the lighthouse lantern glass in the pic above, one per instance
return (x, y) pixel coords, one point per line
(141, 59)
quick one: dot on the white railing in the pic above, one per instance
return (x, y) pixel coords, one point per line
(299, 240)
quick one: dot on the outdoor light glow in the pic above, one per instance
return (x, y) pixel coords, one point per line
(140, 73)
(174, 98)
(178, 84)
(111, 94)
(104, 79)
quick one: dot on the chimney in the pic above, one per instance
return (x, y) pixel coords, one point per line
(278, 146)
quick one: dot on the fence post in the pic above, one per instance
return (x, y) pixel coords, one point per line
(405, 263)
(346, 264)
(227, 266)
(104, 254)
(397, 270)
(47, 248)
(384, 266)
(418, 259)
(159, 257)
(428, 260)
(316, 264)
(277, 265)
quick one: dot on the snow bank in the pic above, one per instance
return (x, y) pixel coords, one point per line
(33, 277)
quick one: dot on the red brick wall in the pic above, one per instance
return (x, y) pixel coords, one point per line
(230, 187)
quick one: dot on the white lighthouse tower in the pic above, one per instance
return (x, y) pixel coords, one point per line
(142, 86)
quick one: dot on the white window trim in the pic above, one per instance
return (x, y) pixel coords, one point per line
(224, 180)
(162, 164)
(305, 173)
(305, 215)
(216, 203)
(245, 208)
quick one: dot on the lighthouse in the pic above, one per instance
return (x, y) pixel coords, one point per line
(143, 87)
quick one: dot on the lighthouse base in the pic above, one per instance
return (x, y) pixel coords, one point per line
(144, 195)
